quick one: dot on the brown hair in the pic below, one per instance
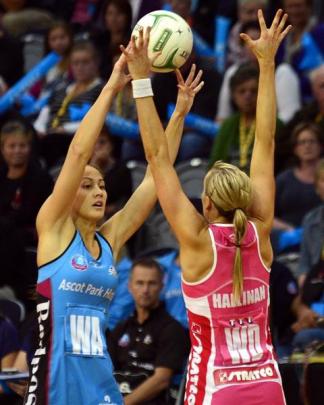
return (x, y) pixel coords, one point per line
(15, 128)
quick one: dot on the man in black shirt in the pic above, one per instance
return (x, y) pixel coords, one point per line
(150, 347)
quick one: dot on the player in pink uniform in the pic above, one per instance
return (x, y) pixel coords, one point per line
(225, 253)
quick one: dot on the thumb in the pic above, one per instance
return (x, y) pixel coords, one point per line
(155, 56)
(246, 39)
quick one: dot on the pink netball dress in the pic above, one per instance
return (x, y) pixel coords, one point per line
(231, 360)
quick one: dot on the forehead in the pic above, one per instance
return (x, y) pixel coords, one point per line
(307, 133)
(140, 272)
(15, 137)
(92, 173)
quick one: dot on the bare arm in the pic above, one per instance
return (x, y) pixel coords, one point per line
(57, 207)
(152, 387)
(174, 202)
(123, 224)
(262, 162)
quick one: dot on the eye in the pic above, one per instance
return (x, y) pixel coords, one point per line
(86, 186)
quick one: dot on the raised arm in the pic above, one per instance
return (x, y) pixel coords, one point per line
(174, 202)
(262, 162)
(122, 225)
(57, 207)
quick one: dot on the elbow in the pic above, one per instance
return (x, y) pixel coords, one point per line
(155, 156)
(76, 151)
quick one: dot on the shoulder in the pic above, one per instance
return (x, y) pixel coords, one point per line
(284, 176)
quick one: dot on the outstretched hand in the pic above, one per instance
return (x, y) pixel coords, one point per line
(188, 89)
(136, 55)
(118, 78)
(266, 46)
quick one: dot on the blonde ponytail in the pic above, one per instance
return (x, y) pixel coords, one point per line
(240, 225)
(230, 190)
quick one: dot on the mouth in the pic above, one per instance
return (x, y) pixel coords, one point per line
(98, 204)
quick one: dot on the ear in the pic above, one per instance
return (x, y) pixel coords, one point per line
(207, 202)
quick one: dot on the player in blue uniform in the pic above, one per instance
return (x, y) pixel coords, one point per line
(77, 277)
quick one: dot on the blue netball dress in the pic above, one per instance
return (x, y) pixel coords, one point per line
(71, 365)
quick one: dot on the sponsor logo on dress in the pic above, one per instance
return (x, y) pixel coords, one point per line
(107, 401)
(112, 271)
(43, 311)
(79, 262)
(195, 360)
(245, 375)
(87, 288)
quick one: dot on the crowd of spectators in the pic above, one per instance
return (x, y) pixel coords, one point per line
(35, 132)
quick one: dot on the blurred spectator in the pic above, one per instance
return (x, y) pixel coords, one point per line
(194, 143)
(59, 39)
(247, 11)
(287, 84)
(205, 13)
(116, 174)
(283, 293)
(309, 327)
(116, 16)
(142, 7)
(69, 102)
(14, 274)
(312, 246)
(295, 189)
(11, 61)
(314, 111)
(303, 47)
(84, 14)
(148, 348)
(9, 346)
(19, 18)
(234, 141)
(24, 185)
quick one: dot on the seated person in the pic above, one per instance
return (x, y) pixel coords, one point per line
(246, 11)
(116, 174)
(24, 184)
(234, 141)
(314, 110)
(148, 348)
(311, 267)
(9, 346)
(286, 81)
(296, 194)
(312, 245)
(69, 102)
(303, 47)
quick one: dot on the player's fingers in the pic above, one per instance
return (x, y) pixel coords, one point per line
(191, 75)
(246, 39)
(197, 79)
(147, 36)
(276, 20)
(261, 21)
(285, 32)
(199, 87)
(179, 77)
(140, 40)
(282, 23)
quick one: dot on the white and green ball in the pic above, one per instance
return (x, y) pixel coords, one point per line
(170, 35)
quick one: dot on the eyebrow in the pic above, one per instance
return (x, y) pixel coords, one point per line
(91, 179)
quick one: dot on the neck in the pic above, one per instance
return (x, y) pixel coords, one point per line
(248, 118)
(87, 229)
(306, 170)
(142, 314)
(16, 172)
